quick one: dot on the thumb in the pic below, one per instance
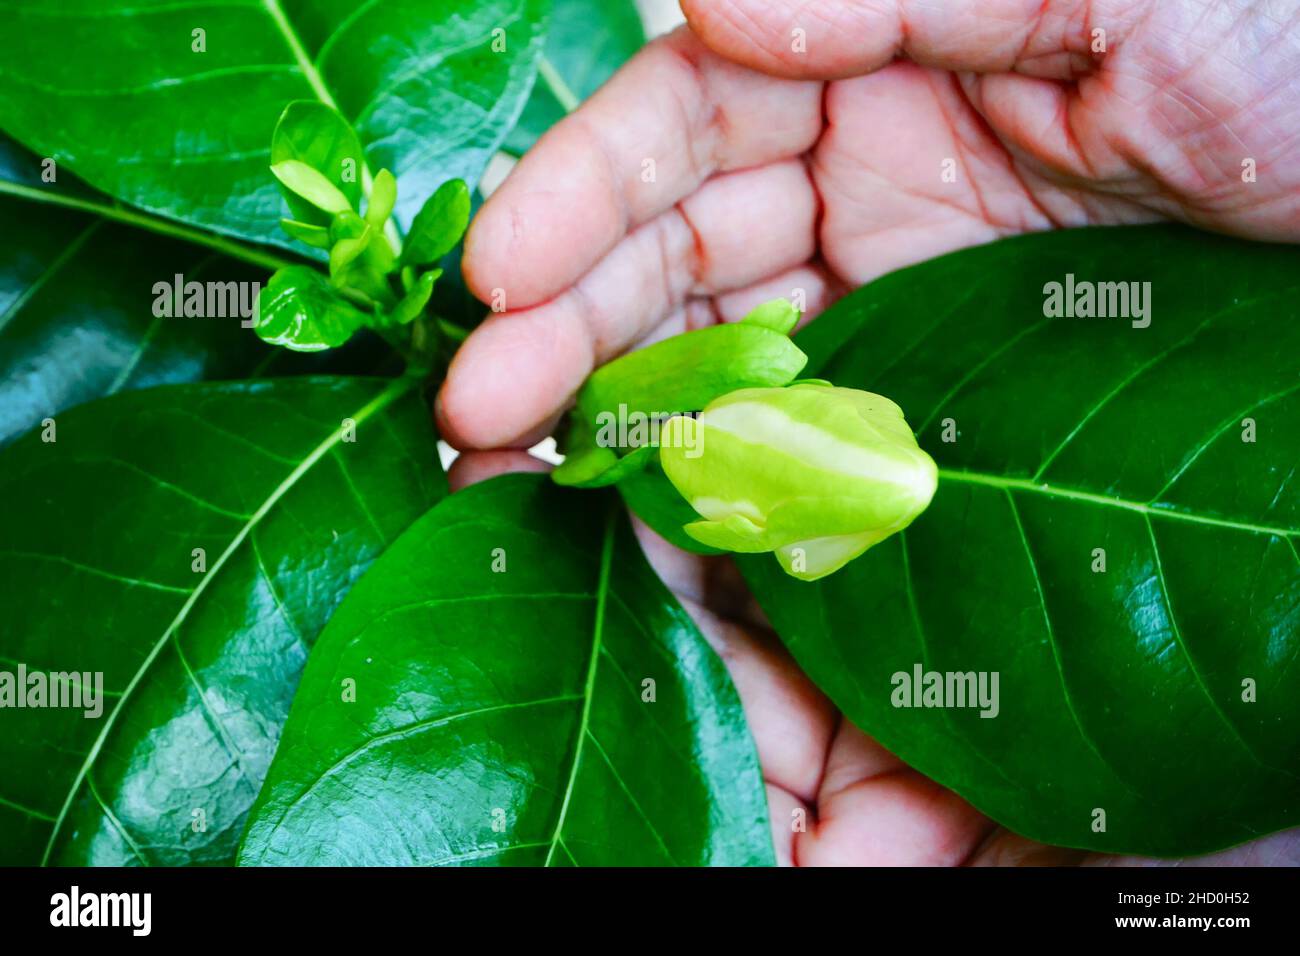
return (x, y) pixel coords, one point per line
(836, 39)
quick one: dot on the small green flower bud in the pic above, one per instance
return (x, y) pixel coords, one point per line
(816, 474)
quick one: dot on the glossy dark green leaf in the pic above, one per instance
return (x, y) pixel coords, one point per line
(1162, 690)
(97, 552)
(499, 652)
(432, 88)
(586, 41)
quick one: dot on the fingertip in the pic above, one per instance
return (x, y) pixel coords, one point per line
(513, 375)
(491, 264)
(475, 466)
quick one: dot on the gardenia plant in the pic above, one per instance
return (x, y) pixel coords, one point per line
(312, 652)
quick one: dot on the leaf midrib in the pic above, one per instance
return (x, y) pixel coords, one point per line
(598, 629)
(388, 396)
(317, 83)
(1074, 494)
(163, 227)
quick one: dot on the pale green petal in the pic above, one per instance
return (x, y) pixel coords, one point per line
(736, 533)
(818, 557)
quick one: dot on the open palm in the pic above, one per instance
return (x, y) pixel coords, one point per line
(784, 148)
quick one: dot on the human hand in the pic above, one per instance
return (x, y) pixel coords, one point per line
(774, 171)
(763, 184)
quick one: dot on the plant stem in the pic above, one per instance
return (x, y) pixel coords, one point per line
(154, 224)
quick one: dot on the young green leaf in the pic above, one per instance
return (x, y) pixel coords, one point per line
(383, 196)
(410, 307)
(594, 466)
(439, 225)
(303, 181)
(686, 372)
(300, 310)
(346, 251)
(317, 236)
(316, 135)
(347, 225)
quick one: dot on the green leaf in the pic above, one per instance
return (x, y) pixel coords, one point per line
(409, 309)
(198, 668)
(302, 180)
(586, 41)
(439, 225)
(64, 342)
(383, 196)
(26, 176)
(594, 466)
(185, 134)
(360, 258)
(452, 300)
(499, 715)
(319, 137)
(316, 236)
(1128, 689)
(686, 372)
(347, 251)
(300, 310)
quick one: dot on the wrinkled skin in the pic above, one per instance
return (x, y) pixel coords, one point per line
(722, 168)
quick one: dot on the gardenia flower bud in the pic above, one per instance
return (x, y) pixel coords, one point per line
(816, 474)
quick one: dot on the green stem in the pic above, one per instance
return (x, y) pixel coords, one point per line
(451, 330)
(154, 224)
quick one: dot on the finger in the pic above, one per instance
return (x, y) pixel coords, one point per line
(472, 467)
(811, 286)
(942, 181)
(874, 811)
(519, 368)
(668, 121)
(1004, 848)
(790, 815)
(714, 582)
(1067, 133)
(835, 39)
